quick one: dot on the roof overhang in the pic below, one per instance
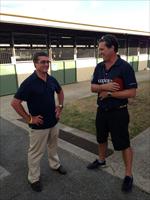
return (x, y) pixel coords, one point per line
(34, 21)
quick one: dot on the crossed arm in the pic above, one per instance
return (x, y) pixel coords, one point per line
(113, 87)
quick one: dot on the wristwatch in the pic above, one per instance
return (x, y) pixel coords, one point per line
(109, 94)
(60, 106)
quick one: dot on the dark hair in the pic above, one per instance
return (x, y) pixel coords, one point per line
(38, 54)
(110, 41)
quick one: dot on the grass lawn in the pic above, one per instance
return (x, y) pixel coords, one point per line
(80, 114)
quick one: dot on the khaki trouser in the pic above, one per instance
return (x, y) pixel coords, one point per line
(39, 139)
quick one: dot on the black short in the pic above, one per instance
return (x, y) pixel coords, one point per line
(116, 123)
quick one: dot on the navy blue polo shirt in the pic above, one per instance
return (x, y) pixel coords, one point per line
(40, 99)
(121, 69)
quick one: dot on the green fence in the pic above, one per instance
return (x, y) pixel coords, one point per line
(57, 70)
(8, 79)
(134, 62)
(70, 72)
(64, 71)
(148, 63)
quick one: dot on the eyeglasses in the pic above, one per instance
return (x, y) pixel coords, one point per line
(43, 62)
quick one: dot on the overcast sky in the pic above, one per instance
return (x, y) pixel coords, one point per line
(129, 14)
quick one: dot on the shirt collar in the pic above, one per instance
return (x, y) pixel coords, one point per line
(35, 76)
(117, 63)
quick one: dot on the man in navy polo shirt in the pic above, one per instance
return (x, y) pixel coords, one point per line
(114, 81)
(38, 91)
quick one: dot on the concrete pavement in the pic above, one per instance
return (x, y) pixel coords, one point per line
(78, 184)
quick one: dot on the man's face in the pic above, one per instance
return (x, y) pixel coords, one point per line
(105, 52)
(42, 64)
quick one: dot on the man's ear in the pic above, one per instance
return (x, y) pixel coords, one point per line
(113, 47)
(34, 65)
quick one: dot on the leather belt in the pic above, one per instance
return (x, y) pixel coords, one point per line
(112, 109)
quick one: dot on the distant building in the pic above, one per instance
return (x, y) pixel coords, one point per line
(72, 46)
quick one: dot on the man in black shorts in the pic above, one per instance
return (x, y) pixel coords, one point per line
(114, 81)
